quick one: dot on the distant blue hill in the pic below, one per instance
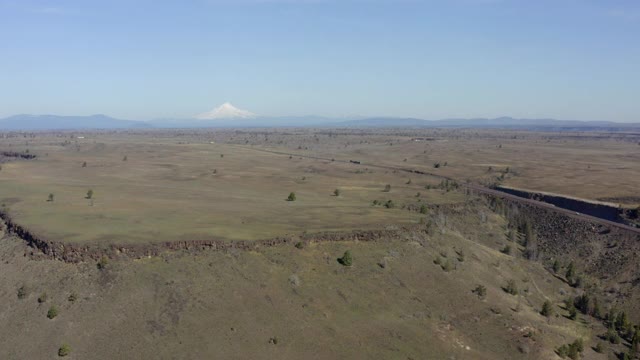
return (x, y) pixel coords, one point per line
(502, 122)
(57, 122)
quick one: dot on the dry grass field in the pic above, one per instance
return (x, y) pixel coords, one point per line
(166, 192)
(410, 294)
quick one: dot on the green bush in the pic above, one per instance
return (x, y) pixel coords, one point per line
(346, 259)
(64, 350)
(53, 312)
(336, 192)
(291, 197)
(387, 188)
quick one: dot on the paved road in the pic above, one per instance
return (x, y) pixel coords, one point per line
(472, 187)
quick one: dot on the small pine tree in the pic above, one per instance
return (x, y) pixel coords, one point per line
(336, 192)
(346, 259)
(571, 272)
(291, 197)
(50, 198)
(556, 266)
(547, 309)
(89, 194)
(573, 313)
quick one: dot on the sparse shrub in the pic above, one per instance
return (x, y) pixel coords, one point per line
(124, 158)
(22, 292)
(72, 297)
(89, 194)
(221, 155)
(387, 188)
(573, 313)
(547, 309)
(506, 249)
(423, 209)
(556, 266)
(346, 259)
(42, 298)
(612, 336)
(50, 198)
(84, 164)
(460, 255)
(375, 202)
(481, 291)
(511, 287)
(437, 260)
(599, 348)
(64, 350)
(572, 350)
(53, 312)
(408, 182)
(389, 204)
(336, 192)
(291, 197)
(448, 265)
(102, 263)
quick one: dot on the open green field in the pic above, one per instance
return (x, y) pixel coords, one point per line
(166, 191)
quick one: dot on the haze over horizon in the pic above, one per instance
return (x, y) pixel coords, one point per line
(573, 60)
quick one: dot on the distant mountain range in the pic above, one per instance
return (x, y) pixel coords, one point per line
(216, 119)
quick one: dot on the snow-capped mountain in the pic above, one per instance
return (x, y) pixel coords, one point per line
(226, 111)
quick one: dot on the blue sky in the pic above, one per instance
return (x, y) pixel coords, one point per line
(568, 59)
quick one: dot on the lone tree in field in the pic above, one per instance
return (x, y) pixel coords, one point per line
(336, 192)
(387, 188)
(50, 198)
(346, 259)
(89, 194)
(292, 197)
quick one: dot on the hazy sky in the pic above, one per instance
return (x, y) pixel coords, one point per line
(568, 59)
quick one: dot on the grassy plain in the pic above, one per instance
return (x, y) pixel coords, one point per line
(194, 191)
